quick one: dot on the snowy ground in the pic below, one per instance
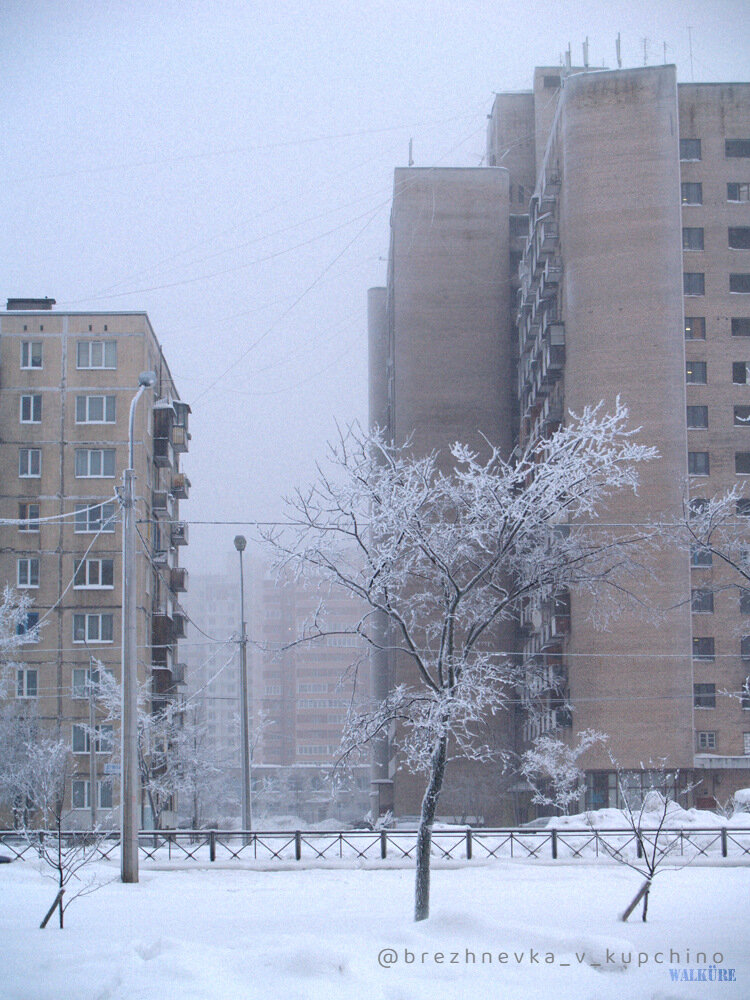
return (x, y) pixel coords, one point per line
(230, 933)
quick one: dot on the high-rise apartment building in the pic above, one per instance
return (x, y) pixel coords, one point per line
(68, 380)
(604, 251)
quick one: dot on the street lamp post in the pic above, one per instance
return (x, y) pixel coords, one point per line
(247, 810)
(129, 783)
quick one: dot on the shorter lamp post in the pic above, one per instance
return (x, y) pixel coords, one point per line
(240, 544)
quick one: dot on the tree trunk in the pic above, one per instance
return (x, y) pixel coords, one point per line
(642, 892)
(51, 910)
(645, 900)
(424, 834)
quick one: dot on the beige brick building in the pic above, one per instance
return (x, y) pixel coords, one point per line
(67, 383)
(605, 250)
(298, 697)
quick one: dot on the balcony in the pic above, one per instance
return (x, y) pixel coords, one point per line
(178, 673)
(162, 636)
(179, 437)
(178, 533)
(549, 237)
(553, 271)
(180, 486)
(178, 579)
(562, 718)
(179, 623)
(163, 453)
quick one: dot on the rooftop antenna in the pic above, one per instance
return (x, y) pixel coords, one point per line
(568, 57)
(645, 51)
(586, 53)
(411, 158)
(665, 53)
(619, 54)
(690, 42)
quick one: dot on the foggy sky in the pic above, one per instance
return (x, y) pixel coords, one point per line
(227, 167)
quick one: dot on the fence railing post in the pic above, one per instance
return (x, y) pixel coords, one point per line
(723, 841)
(468, 845)
(297, 845)
(212, 845)
(554, 845)
(383, 844)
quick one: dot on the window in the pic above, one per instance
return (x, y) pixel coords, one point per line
(706, 741)
(742, 463)
(739, 237)
(28, 515)
(694, 283)
(552, 82)
(702, 601)
(695, 328)
(31, 354)
(739, 372)
(744, 601)
(696, 373)
(736, 147)
(92, 628)
(703, 648)
(31, 409)
(745, 647)
(690, 149)
(26, 682)
(739, 283)
(696, 506)
(105, 737)
(80, 794)
(743, 508)
(89, 519)
(96, 354)
(28, 629)
(103, 742)
(746, 743)
(692, 193)
(742, 416)
(697, 417)
(519, 225)
(704, 695)
(738, 192)
(29, 463)
(27, 573)
(95, 463)
(700, 557)
(95, 409)
(740, 326)
(80, 741)
(80, 682)
(698, 464)
(692, 238)
(94, 574)
(105, 795)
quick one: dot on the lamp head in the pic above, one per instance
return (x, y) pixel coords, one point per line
(147, 379)
(240, 542)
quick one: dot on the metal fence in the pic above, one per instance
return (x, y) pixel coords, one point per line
(271, 846)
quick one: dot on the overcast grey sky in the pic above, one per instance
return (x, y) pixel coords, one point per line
(226, 166)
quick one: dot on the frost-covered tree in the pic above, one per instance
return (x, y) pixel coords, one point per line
(648, 801)
(444, 548)
(551, 768)
(176, 758)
